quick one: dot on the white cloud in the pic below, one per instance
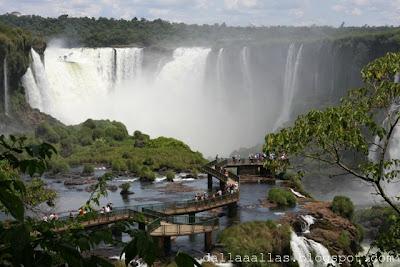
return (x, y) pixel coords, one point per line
(356, 12)
(237, 4)
(298, 13)
(338, 8)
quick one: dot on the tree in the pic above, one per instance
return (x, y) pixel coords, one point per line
(354, 137)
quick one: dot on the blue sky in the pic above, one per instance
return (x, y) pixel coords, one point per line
(232, 12)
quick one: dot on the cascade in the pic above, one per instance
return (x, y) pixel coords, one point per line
(6, 92)
(220, 73)
(290, 86)
(244, 65)
(307, 252)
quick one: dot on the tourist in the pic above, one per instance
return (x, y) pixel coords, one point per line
(45, 218)
(107, 209)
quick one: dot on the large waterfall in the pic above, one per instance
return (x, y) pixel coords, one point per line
(6, 89)
(215, 99)
(290, 86)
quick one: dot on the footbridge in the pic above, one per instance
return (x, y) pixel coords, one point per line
(165, 220)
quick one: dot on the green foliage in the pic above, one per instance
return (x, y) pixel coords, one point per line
(100, 32)
(88, 169)
(343, 206)
(37, 193)
(147, 174)
(389, 236)
(343, 136)
(58, 165)
(344, 239)
(252, 238)
(125, 188)
(119, 165)
(170, 176)
(282, 197)
(107, 142)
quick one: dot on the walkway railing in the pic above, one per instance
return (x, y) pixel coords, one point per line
(161, 218)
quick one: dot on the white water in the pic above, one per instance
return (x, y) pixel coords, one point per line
(6, 92)
(162, 94)
(297, 194)
(290, 86)
(220, 74)
(307, 252)
(308, 221)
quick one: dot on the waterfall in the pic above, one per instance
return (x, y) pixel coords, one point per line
(220, 73)
(128, 63)
(6, 92)
(290, 86)
(307, 252)
(244, 65)
(308, 221)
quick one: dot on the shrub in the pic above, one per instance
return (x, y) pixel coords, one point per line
(125, 188)
(343, 206)
(58, 166)
(147, 174)
(118, 165)
(88, 169)
(133, 166)
(170, 176)
(282, 197)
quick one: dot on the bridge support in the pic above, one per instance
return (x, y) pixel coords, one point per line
(209, 182)
(232, 210)
(142, 226)
(207, 241)
(192, 217)
(163, 245)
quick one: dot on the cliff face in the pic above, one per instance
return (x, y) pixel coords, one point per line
(15, 46)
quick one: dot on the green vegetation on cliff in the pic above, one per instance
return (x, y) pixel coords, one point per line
(257, 238)
(108, 142)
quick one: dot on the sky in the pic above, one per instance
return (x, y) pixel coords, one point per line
(232, 12)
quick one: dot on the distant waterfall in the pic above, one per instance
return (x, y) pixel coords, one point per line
(290, 86)
(220, 72)
(6, 92)
(307, 252)
(245, 67)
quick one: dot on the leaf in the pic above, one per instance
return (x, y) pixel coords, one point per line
(185, 260)
(13, 203)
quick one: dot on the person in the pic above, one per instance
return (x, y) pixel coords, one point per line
(81, 212)
(103, 210)
(71, 216)
(45, 218)
(107, 209)
(216, 157)
(219, 192)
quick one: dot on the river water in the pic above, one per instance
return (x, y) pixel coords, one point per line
(70, 198)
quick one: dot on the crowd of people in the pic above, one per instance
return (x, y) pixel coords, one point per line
(259, 157)
(82, 211)
(230, 188)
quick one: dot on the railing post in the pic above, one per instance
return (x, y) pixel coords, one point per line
(209, 182)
